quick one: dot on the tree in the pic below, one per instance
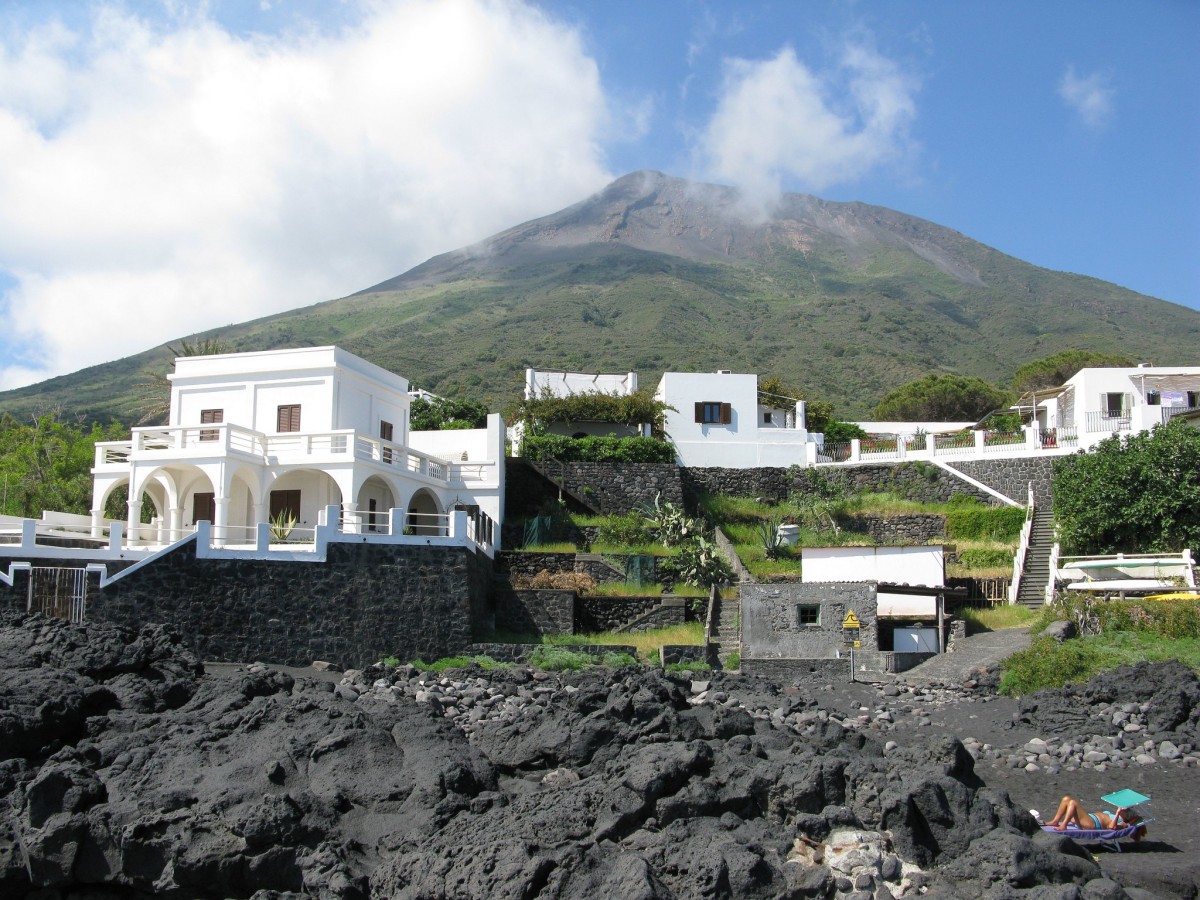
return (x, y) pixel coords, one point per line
(441, 414)
(1139, 494)
(1055, 370)
(941, 398)
(46, 465)
(154, 389)
(774, 391)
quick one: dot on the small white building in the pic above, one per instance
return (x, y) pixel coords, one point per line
(1096, 403)
(284, 435)
(716, 420)
(554, 383)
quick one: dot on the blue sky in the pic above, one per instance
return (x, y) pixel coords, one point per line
(174, 166)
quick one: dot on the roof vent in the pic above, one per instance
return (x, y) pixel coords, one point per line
(724, 371)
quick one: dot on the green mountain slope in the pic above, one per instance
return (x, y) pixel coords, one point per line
(654, 273)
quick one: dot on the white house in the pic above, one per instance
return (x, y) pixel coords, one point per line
(1096, 403)
(285, 435)
(716, 420)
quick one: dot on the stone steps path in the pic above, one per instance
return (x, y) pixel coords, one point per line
(975, 652)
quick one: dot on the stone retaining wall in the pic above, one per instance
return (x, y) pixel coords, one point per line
(913, 528)
(365, 602)
(784, 670)
(674, 654)
(1011, 477)
(535, 612)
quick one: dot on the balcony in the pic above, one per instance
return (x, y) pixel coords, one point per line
(194, 442)
(1105, 421)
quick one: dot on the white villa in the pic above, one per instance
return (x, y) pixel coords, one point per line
(286, 437)
(716, 420)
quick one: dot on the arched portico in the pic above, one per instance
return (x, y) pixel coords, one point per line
(375, 498)
(425, 514)
(301, 494)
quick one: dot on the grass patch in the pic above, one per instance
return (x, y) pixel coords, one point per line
(459, 662)
(1050, 664)
(996, 618)
(608, 548)
(560, 659)
(625, 589)
(647, 642)
(733, 662)
(549, 547)
(697, 666)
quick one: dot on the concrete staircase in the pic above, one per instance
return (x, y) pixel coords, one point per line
(1036, 573)
(727, 628)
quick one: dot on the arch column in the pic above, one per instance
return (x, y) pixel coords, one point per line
(350, 517)
(221, 525)
(175, 519)
(134, 521)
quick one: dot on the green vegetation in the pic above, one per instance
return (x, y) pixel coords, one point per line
(47, 464)
(1134, 494)
(444, 414)
(974, 521)
(637, 408)
(996, 618)
(1056, 369)
(774, 391)
(596, 449)
(1118, 632)
(698, 667)
(458, 662)
(734, 661)
(941, 398)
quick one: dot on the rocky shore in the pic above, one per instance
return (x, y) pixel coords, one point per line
(129, 772)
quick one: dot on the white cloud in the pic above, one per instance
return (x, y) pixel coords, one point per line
(1091, 96)
(777, 120)
(161, 179)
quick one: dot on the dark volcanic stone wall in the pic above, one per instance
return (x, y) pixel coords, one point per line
(1011, 477)
(915, 480)
(534, 611)
(613, 488)
(915, 528)
(366, 602)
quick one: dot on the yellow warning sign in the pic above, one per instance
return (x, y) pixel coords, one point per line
(851, 620)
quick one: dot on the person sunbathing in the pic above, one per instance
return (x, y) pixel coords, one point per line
(1071, 812)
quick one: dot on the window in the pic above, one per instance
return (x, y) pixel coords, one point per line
(714, 413)
(287, 418)
(285, 505)
(385, 434)
(766, 418)
(1115, 406)
(211, 417)
(809, 614)
(1193, 398)
(1153, 398)
(204, 507)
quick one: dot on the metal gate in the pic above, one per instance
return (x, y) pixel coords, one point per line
(58, 592)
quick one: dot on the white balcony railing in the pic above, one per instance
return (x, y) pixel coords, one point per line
(222, 440)
(1098, 422)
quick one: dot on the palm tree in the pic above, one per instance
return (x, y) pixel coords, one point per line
(155, 388)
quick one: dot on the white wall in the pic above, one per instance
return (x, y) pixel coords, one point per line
(916, 565)
(745, 442)
(563, 384)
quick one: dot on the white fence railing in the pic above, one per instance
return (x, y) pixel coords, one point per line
(222, 439)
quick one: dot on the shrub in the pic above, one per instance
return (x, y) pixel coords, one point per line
(733, 662)
(969, 522)
(1048, 663)
(631, 530)
(597, 449)
(985, 559)
(697, 666)
(579, 582)
(617, 660)
(558, 659)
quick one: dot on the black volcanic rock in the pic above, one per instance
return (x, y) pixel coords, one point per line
(505, 784)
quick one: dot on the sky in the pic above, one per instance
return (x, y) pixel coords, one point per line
(168, 166)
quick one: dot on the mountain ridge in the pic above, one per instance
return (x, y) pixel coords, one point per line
(655, 273)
